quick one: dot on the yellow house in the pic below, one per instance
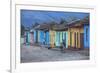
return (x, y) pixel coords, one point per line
(57, 34)
(52, 38)
(75, 35)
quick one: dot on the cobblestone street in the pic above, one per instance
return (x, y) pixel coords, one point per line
(41, 54)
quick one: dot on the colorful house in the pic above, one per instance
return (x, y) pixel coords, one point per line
(57, 38)
(35, 36)
(61, 34)
(27, 37)
(41, 34)
(52, 38)
(43, 37)
(31, 34)
(47, 38)
(86, 33)
(75, 35)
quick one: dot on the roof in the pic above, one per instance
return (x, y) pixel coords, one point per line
(55, 27)
(61, 27)
(79, 22)
(27, 29)
(43, 27)
(76, 23)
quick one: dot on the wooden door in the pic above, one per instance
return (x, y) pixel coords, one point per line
(36, 36)
(27, 37)
(70, 39)
(81, 40)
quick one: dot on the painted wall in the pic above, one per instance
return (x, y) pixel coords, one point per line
(42, 38)
(47, 38)
(71, 37)
(39, 36)
(60, 36)
(27, 37)
(57, 38)
(31, 38)
(36, 36)
(86, 36)
(52, 38)
(65, 37)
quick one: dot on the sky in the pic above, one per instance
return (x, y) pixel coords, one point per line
(30, 17)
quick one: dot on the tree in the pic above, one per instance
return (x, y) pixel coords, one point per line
(35, 24)
(52, 25)
(22, 30)
(63, 21)
(86, 20)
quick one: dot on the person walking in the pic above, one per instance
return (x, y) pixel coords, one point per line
(63, 46)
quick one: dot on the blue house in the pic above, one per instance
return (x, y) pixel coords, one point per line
(35, 36)
(41, 37)
(47, 38)
(86, 33)
(86, 36)
(41, 34)
(27, 38)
